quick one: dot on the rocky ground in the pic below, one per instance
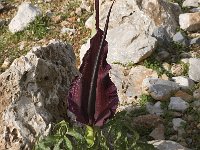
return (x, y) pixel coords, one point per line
(154, 51)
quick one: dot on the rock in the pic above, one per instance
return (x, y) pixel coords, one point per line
(49, 13)
(190, 21)
(78, 11)
(184, 82)
(33, 94)
(135, 78)
(159, 89)
(163, 55)
(67, 30)
(194, 70)
(1, 6)
(57, 19)
(2, 22)
(26, 14)
(154, 109)
(90, 22)
(167, 145)
(148, 121)
(179, 37)
(177, 69)
(136, 46)
(118, 78)
(196, 104)
(195, 41)
(196, 94)
(178, 123)
(185, 96)
(6, 63)
(158, 132)
(176, 103)
(191, 3)
(161, 35)
(184, 57)
(193, 10)
(135, 22)
(128, 82)
(85, 5)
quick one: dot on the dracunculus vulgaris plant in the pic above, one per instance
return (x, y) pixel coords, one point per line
(93, 96)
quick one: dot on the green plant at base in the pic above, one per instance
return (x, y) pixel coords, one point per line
(115, 134)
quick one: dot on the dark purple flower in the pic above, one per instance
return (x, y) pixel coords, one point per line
(93, 96)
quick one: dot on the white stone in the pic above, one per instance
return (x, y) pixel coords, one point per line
(6, 63)
(191, 3)
(178, 123)
(184, 82)
(190, 21)
(154, 109)
(176, 103)
(26, 14)
(194, 69)
(67, 30)
(90, 22)
(159, 89)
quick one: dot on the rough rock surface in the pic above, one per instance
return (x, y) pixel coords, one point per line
(159, 89)
(176, 103)
(158, 132)
(194, 70)
(191, 3)
(129, 83)
(154, 109)
(178, 123)
(195, 41)
(184, 82)
(131, 25)
(179, 37)
(33, 94)
(167, 145)
(190, 21)
(25, 15)
(135, 78)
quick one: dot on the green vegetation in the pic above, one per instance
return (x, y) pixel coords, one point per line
(144, 99)
(44, 29)
(10, 43)
(116, 134)
(185, 68)
(128, 65)
(154, 64)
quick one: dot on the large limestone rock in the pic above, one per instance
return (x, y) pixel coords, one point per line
(25, 15)
(132, 23)
(33, 94)
(190, 21)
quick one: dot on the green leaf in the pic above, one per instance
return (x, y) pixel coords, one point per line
(57, 145)
(68, 143)
(119, 134)
(90, 136)
(75, 134)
